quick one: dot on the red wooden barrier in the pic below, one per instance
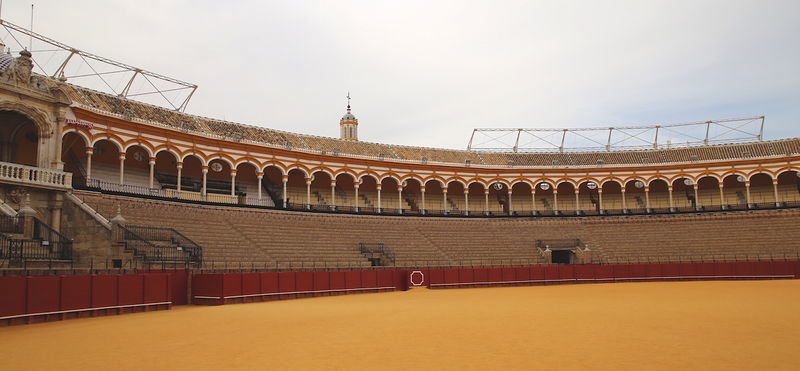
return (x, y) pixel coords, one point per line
(451, 276)
(339, 281)
(369, 279)
(480, 274)
(352, 279)
(76, 292)
(12, 290)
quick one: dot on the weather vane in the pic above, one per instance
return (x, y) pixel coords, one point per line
(348, 99)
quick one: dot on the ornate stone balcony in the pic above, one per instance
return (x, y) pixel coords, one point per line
(34, 176)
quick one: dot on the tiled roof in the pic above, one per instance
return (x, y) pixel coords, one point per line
(128, 108)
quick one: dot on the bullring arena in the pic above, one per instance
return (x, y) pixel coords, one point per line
(144, 237)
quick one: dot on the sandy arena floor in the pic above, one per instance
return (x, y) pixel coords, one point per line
(748, 325)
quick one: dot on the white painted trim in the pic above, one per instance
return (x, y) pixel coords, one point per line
(611, 279)
(84, 310)
(294, 292)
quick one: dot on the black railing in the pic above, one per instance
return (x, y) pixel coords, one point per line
(155, 244)
(366, 208)
(45, 244)
(563, 243)
(377, 248)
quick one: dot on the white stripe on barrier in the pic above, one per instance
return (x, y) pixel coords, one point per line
(610, 279)
(293, 292)
(84, 310)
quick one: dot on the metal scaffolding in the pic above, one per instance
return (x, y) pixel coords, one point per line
(618, 138)
(55, 59)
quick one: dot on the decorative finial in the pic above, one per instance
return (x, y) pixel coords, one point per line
(26, 209)
(348, 101)
(119, 219)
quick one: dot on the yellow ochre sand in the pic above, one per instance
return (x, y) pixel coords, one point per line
(747, 325)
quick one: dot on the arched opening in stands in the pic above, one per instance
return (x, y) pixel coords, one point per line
(296, 195)
(498, 198)
(73, 155)
(589, 197)
(659, 195)
(390, 201)
(565, 198)
(247, 182)
(433, 197)
(708, 191)
(789, 187)
(545, 198)
(412, 194)
(19, 139)
(612, 195)
(455, 198)
(734, 190)
(220, 182)
(521, 199)
(272, 184)
(761, 191)
(321, 195)
(136, 167)
(191, 179)
(634, 198)
(166, 171)
(345, 191)
(683, 194)
(368, 193)
(105, 163)
(477, 198)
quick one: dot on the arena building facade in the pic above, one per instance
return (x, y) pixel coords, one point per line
(64, 144)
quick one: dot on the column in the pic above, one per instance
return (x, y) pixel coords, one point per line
(380, 202)
(444, 200)
(179, 165)
(533, 200)
(486, 201)
(122, 168)
(775, 191)
(721, 196)
(555, 201)
(203, 190)
(152, 164)
(400, 199)
(89, 151)
(466, 201)
(696, 196)
(356, 187)
(233, 182)
(509, 193)
(333, 194)
(577, 201)
(647, 198)
(308, 193)
(422, 191)
(671, 204)
(285, 179)
(259, 176)
(747, 192)
(600, 200)
(624, 202)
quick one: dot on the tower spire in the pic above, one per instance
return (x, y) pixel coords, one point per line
(348, 125)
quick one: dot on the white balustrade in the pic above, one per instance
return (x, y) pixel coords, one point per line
(36, 176)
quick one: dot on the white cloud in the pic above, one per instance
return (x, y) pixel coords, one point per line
(427, 72)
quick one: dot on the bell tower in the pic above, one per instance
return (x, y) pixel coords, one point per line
(348, 125)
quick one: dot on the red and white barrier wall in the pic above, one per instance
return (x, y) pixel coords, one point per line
(34, 299)
(223, 288)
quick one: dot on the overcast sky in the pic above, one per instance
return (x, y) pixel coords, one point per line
(428, 72)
